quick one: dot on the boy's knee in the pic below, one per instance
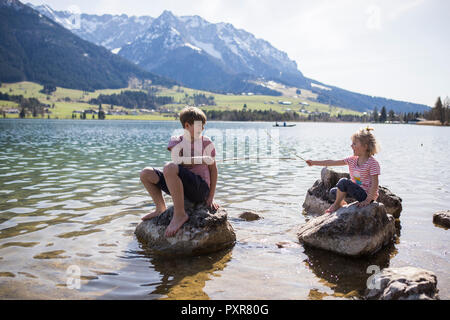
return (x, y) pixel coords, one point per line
(148, 174)
(170, 168)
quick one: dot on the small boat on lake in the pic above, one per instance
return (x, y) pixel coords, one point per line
(284, 125)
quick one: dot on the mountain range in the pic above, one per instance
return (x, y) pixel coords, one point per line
(209, 56)
(35, 48)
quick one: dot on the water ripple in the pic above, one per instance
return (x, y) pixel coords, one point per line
(70, 195)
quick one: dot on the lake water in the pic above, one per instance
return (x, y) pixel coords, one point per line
(70, 199)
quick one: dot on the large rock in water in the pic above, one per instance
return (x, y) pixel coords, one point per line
(407, 283)
(350, 231)
(203, 233)
(318, 200)
(442, 218)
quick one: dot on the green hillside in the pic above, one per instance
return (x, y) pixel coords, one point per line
(64, 101)
(34, 48)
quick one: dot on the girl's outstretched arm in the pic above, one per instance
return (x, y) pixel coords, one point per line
(326, 163)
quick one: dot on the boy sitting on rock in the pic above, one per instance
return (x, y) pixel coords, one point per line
(191, 174)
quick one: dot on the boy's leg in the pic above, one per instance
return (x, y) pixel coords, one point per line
(150, 179)
(175, 187)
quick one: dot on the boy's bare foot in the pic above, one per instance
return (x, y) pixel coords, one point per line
(153, 214)
(334, 207)
(175, 224)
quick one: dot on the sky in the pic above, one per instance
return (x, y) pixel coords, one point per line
(395, 49)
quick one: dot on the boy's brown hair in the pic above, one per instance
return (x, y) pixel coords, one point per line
(191, 114)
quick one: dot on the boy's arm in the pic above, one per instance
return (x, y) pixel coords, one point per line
(214, 173)
(326, 163)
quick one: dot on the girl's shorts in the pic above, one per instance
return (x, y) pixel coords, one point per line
(352, 189)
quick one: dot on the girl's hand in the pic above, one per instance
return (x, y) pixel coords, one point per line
(364, 203)
(309, 162)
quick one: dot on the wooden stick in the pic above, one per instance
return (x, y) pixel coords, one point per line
(254, 158)
(295, 153)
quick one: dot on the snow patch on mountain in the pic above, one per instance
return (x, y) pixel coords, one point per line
(192, 47)
(208, 47)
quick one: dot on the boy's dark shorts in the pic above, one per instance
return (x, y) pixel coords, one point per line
(195, 188)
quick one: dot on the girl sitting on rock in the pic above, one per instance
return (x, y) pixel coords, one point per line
(364, 171)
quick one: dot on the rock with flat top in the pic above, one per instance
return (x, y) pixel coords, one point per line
(351, 230)
(442, 218)
(318, 200)
(407, 283)
(203, 233)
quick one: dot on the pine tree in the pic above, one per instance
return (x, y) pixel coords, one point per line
(439, 112)
(391, 115)
(101, 113)
(375, 115)
(383, 115)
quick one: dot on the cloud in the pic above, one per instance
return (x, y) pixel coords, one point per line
(373, 21)
(403, 8)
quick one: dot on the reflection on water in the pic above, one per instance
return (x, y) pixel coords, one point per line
(184, 278)
(70, 196)
(345, 275)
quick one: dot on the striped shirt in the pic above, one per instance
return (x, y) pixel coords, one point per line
(361, 174)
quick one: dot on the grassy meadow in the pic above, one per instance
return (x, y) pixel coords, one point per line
(66, 101)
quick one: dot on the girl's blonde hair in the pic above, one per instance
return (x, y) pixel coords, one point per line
(366, 137)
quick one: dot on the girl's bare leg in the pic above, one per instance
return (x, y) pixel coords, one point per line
(175, 187)
(149, 178)
(339, 202)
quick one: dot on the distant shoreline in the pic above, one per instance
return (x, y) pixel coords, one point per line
(434, 123)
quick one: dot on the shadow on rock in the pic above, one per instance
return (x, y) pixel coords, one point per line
(346, 276)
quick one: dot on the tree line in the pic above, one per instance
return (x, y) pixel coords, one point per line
(83, 116)
(440, 112)
(252, 115)
(26, 105)
(202, 99)
(132, 100)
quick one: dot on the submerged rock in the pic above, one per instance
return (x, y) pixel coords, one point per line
(317, 198)
(287, 244)
(442, 218)
(351, 230)
(250, 216)
(203, 233)
(407, 283)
